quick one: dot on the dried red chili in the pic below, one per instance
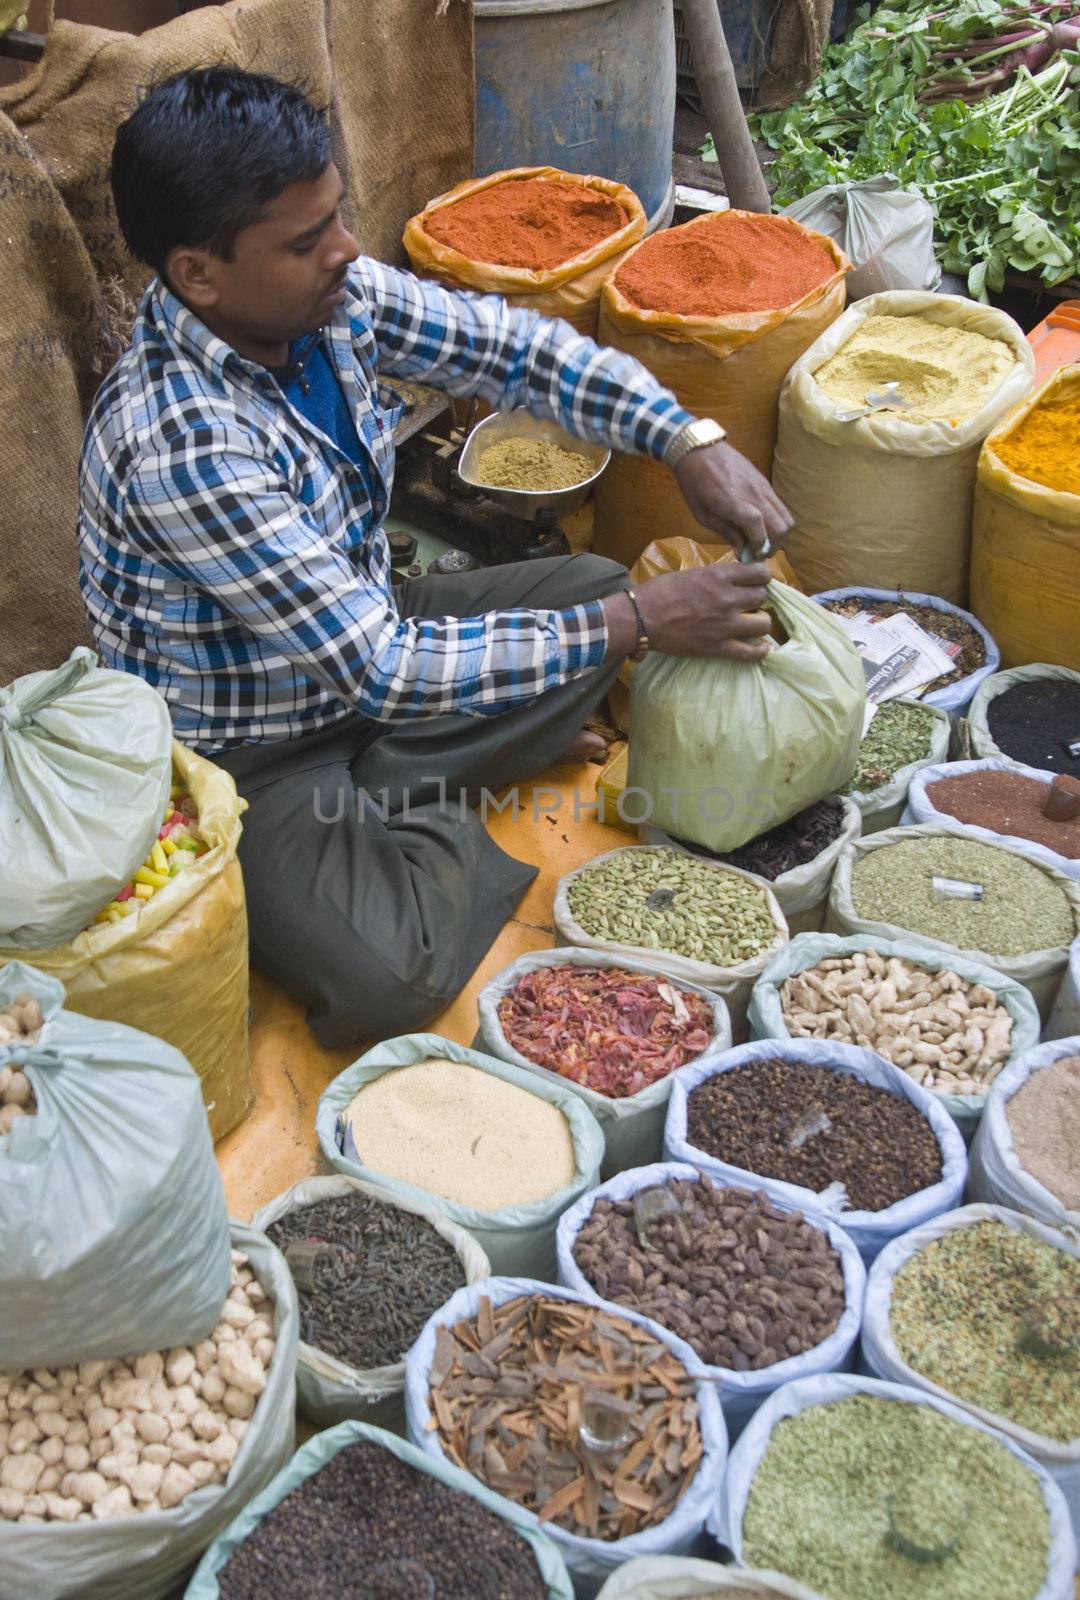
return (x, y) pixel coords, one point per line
(609, 1030)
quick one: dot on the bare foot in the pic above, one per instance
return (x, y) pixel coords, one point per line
(585, 746)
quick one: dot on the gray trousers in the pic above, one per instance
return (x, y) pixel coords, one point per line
(374, 908)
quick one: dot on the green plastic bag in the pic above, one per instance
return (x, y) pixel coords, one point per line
(318, 1451)
(85, 770)
(724, 750)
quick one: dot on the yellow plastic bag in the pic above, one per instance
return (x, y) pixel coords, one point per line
(570, 291)
(677, 555)
(178, 970)
(1025, 552)
(728, 368)
(879, 501)
(724, 750)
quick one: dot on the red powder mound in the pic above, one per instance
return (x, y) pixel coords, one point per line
(728, 264)
(527, 222)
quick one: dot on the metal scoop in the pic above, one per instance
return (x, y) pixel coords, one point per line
(889, 399)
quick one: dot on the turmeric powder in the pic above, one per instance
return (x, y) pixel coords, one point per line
(1045, 446)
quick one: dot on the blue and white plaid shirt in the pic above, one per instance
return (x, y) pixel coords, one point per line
(232, 555)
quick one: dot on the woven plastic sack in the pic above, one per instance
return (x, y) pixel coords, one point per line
(728, 368)
(740, 1392)
(837, 477)
(920, 808)
(982, 740)
(954, 697)
(147, 1555)
(883, 1359)
(633, 1127)
(84, 778)
(1039, 971)
(802, 893)
(886, 232)
(589, 1561)
(1025, 550)
(323, 1448)
(179, 969)
(884, 806)
(685, 1577)
(678, 555)
(733, 984)
(1064, 1019)
(782, 731)
(767, 1020)
(871, 1230)
(997, 1176)
(727, 1523)
(113, 1233)
(329, 1390)
(522, 1235)
(570, 291)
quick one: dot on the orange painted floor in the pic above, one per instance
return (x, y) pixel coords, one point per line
(275, 1146)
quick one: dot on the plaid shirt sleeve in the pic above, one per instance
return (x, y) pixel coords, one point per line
(224, 522)
(472, 344)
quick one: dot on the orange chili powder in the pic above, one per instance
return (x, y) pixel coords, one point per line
(527, 222)
(1045, 447)
(728, 264)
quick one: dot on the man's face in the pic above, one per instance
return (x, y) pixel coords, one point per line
(287, 273)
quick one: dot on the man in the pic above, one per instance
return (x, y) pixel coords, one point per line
(236, 471)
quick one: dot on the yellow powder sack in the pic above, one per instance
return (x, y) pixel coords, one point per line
(946, 373)
(1045, 446)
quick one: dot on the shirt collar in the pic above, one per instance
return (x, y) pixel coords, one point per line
(209, 352)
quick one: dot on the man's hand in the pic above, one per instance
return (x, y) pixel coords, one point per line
(709, 611)
(728, 494)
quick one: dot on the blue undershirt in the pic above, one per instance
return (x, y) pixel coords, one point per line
(318, 396)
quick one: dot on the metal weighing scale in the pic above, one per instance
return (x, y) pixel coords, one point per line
(436, 489)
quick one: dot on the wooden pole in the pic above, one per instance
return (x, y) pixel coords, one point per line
(715, 75)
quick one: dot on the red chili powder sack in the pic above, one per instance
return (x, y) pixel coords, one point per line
(727, 264)
(527, 222)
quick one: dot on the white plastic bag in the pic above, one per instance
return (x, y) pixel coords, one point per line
(522, 1236)
(85, 770)
(871, 1230)
(633, 1127)
(883, 1359)
(733, 984)
(880, 500)
(146, 1555)
(590, 1561)
(1039, 970)
(794, 1398)
(883, 807)
(982, 740)
(997, 1176)
(740, 1392)
(767, 1020)
(323, 1448)
(956, 696)
(1065, 1017)
(920, 808)
(725, 749)
(803, 892)
(886, 232)
(114, 1237)
(328, 1390)
(685, 1577)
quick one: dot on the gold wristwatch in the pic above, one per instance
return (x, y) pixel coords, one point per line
(703, 430)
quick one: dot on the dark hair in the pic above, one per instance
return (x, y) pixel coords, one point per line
(205, 153)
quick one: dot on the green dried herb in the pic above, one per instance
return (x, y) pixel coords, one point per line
(899, 734)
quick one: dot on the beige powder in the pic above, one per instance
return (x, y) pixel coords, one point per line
(1044, 1120)
(947, 373)
(462, 1133)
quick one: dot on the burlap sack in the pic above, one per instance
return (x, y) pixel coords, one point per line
(48, 338)
(729, 368)
(401, 112)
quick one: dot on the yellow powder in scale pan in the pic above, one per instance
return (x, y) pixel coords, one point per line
(946, 373)
(464, 1134)
(532, 464)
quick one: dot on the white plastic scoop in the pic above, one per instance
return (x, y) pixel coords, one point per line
(889, 399)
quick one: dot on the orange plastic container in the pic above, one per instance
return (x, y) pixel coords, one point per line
(1056, 340)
